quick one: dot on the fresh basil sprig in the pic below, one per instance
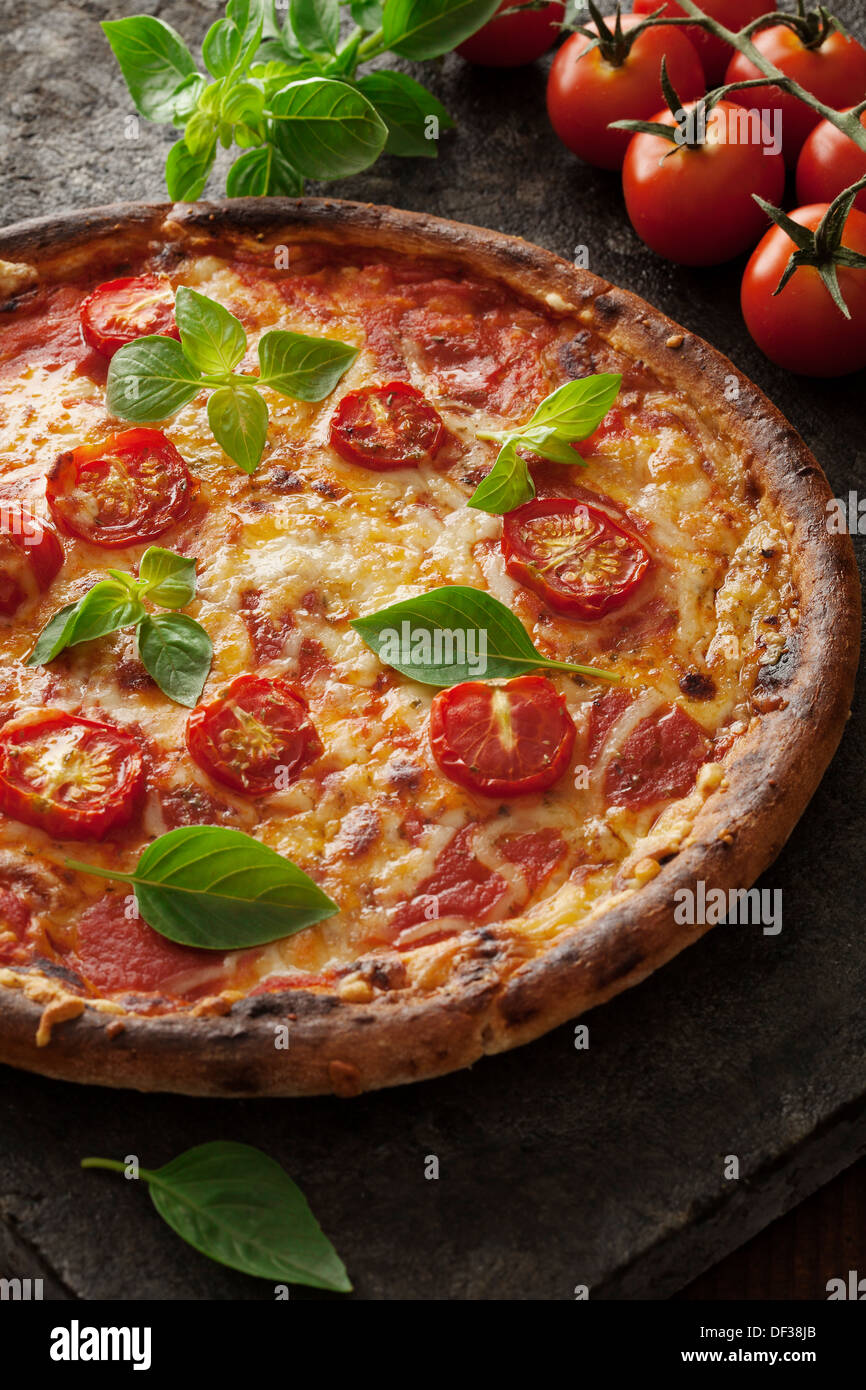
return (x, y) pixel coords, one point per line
(454, 634)
(219, 889)
(289, 95)
(567, 415)
(236, 1205)
(153, 377)
(175, 650)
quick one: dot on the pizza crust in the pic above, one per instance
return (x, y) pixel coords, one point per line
(346, 1042)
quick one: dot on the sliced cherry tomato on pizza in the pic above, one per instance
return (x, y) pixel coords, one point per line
(654, 759)
(73, 778)
(502, 740)
(383, 427)
(120, 311)
(30, 555)
(573, 555)
(124, 491)
(256, 737)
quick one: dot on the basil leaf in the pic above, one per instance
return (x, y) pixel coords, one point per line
(177, 653)
(149, 379)
(244, 102)
(186, 98)
(238, 418)
(251, 17)
(507, 485)
(106, 607)
(236, 1205)
(186, 173)
(578, 407)
(406, 108)
(330, 130)
(456, 634)
(154, 60)
(302, 366)
(211, 337)
(168, 579)
(428, 28)
(367, 13)
(263, 171)
(316, 25)
(199, 135)
(221, 47)
(219, 889)
(53, 637)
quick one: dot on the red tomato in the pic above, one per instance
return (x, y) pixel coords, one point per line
(801, 328)
(73, 778)
(502, 740)
(384, 427)
(30, 555)
(516, 39)
(584, 94)
(658, 759)
(829, 162)
(255, 733)
(695, 205)
(124, 491)
(835, 73)
(120, 311)
(714, 53)
(573, 555)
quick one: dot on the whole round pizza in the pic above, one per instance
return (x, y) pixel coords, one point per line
(405, 635)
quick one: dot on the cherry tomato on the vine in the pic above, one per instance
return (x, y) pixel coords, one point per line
(517, 38)
(829, 161)
(801, 328)
(585, 92)
(714, 53)
(835, 72)
(694, 204)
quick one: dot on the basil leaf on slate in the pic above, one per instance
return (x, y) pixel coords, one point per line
(187, 173)
(154, 60)
(330, 130)
(219, 889)
(316, 25)
(177, 652)
(421, 29)
(304, 367)
(236, 1205)
(168, 579)
(211, 338)
(238, 418)
(454, 634)
(150, 379)
(406, 108)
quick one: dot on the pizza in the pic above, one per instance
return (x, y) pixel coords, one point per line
(501, 854)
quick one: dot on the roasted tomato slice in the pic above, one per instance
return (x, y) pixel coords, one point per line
(573, 555)
(124, 491)
(73, 778)
(502, 740)
(656, 759)
(384, 427)
(256, 737)
(121, 310)
(30, 555)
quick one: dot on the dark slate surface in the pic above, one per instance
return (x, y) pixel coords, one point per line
(558, 1167)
